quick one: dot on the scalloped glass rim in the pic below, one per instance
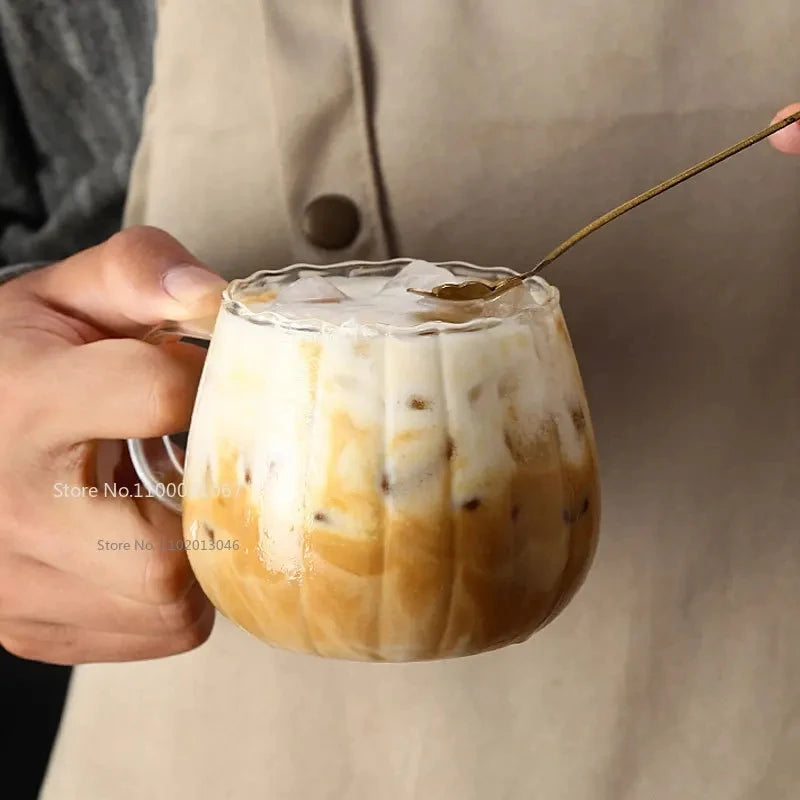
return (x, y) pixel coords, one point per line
(264, 278)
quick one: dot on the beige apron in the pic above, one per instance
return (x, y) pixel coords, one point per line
(487, 131)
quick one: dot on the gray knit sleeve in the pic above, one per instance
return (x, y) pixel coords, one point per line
(15, 270)
(73, 78)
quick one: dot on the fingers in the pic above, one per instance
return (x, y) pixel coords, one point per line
(118, 389)
(136, 279)
(787, 140)
(93, 578)
(61, 644)
(96, 577)
(31, 591)
(111, 545)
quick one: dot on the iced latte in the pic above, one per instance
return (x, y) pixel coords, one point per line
(403, 478)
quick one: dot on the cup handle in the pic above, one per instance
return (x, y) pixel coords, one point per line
(157, 462)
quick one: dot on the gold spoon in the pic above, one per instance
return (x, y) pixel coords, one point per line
(478, 290)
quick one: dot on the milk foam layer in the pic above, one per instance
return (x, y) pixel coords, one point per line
(397, 496)
(368, 300)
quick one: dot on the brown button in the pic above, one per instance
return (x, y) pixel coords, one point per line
(331, 221)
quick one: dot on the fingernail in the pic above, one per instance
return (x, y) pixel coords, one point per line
(189, 283)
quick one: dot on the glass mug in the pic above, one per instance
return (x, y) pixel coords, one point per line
(399, 488)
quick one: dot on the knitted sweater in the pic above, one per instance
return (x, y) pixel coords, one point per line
(73, 78)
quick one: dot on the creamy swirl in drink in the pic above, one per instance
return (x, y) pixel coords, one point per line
(403, 478)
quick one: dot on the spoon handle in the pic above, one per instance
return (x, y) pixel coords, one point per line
(657, 190)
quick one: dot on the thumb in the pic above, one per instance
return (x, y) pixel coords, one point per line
(787, 140)
(134, 280)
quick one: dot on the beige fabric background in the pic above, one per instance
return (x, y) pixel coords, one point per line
(488, 131)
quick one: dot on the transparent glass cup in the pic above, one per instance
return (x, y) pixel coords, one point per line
(384, 492)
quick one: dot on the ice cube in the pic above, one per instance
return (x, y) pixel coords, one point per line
(418, 275)
(310, 289)
(508, 303)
